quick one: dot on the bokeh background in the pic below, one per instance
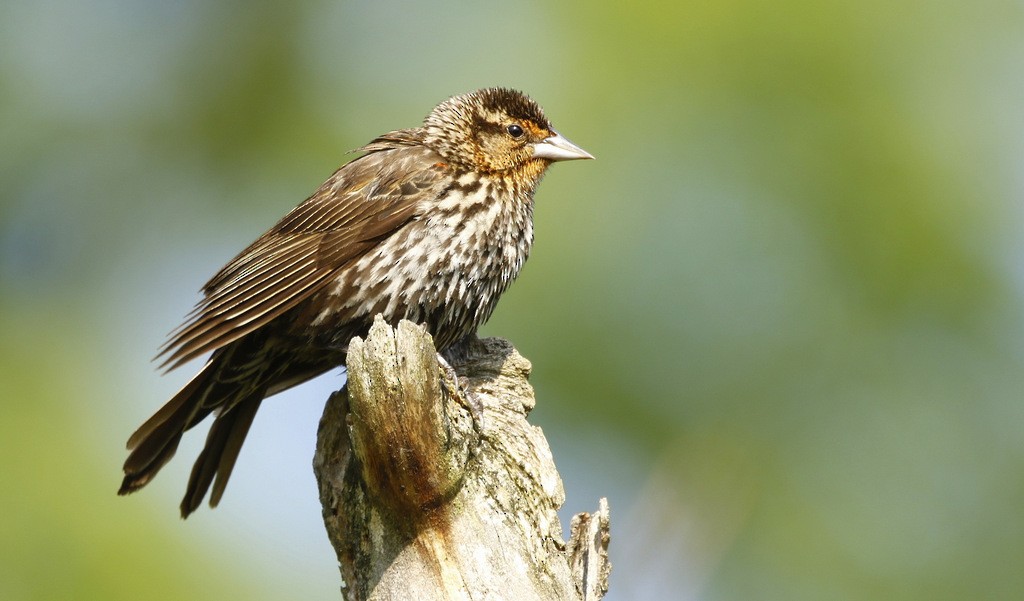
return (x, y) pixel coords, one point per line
(778, 322)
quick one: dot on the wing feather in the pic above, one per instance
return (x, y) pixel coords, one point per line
(367, 199)
(262, 278)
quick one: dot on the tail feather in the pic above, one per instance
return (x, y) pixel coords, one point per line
(218, 386)
(218, 457)
(164, 414)
(156, 441)
(233, 383)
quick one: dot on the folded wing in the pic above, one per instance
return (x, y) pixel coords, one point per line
(363, 202)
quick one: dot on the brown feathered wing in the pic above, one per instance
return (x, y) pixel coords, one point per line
(363, 202)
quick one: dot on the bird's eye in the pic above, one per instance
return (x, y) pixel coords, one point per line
(515, 130)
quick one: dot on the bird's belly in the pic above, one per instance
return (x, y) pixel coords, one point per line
(443, 275)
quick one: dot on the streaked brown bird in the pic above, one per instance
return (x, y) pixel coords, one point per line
(432, 224)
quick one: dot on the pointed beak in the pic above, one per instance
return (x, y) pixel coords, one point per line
(559, 148)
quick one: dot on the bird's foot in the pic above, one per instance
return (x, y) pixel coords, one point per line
(454, 387)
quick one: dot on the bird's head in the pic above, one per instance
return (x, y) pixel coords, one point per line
(497, 130)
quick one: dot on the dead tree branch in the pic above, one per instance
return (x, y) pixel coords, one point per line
(422, 501)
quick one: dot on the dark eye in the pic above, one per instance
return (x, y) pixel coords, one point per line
(515, 130)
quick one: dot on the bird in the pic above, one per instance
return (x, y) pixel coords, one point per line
(430, 224)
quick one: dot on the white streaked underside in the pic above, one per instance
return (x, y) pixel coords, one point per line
(468, 248)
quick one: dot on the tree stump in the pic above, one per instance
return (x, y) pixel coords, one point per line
(427, 499)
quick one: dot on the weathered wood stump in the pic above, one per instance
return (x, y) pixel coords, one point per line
(426, 499)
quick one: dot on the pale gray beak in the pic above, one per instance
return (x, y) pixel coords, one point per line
(559, 148)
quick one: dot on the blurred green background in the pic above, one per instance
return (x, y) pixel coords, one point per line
(778, 322)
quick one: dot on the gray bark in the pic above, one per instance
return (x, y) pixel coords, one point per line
(425, 498)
